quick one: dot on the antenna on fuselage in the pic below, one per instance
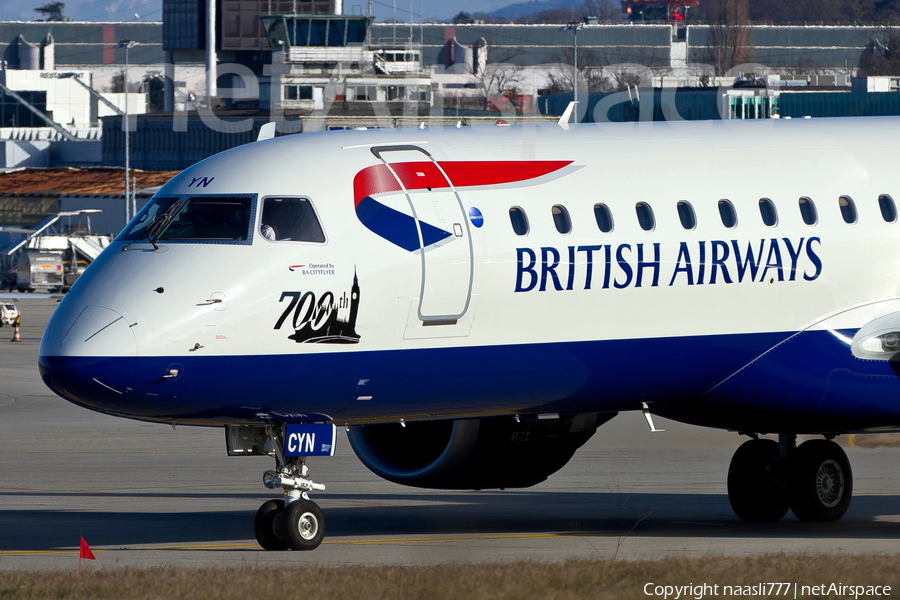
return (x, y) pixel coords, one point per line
(567, 114)
(266, 132)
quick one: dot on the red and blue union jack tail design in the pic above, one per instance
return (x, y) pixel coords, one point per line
(400, 228)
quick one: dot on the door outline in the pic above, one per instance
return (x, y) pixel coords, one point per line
(432, 319)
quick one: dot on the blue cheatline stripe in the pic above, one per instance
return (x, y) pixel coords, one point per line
(810, 382)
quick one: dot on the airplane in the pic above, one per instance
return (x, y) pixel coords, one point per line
(473, 303)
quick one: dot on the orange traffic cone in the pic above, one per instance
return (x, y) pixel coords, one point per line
(16, 337)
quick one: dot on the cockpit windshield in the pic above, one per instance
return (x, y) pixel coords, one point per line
(208, 219)
(149, 215)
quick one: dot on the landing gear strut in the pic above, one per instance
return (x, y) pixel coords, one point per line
(766, 478)
(295, 522)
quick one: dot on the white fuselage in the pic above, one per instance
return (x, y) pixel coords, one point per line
(486, 321)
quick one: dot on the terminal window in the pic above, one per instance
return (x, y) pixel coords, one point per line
(298, 92)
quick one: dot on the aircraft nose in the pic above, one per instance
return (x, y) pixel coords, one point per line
(97, 331)
(76, 354)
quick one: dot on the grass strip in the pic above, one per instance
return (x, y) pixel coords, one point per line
(875, 440)
(512, 581)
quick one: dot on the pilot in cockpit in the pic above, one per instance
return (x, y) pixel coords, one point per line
(267, 226)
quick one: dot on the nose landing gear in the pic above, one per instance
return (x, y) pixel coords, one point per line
(766, 478)
(268, 534)
(296, 522)
(293, 522)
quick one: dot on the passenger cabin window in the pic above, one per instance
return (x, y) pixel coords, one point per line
(519, 220)
(686, 215)
(888, 208)
(767, 212)
(202, 219)
(848, 209)
(604, 218)
(561, 219)
(808, 211)
(645, 216)
(290, 220)
(727, 214)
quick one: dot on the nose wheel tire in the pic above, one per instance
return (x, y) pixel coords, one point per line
(821, 483)
(304, 525)
(268, 522)
(756, 486)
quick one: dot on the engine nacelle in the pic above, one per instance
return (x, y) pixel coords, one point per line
(495, 452)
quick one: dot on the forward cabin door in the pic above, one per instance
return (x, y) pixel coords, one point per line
(445, 243)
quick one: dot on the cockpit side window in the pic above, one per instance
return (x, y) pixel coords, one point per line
(210, 219)
(290, 220)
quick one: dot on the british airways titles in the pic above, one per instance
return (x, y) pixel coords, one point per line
(647, 265)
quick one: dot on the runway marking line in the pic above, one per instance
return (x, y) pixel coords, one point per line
(353, 542)
(461, 539)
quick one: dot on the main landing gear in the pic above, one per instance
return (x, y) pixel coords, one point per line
(294, 522)
(767, 477)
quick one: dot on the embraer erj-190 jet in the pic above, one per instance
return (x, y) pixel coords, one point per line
(473, 303)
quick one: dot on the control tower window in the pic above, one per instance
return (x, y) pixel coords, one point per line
(290, 220)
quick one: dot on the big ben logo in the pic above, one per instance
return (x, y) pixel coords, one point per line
(322, 320)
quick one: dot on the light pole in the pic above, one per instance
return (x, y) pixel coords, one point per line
(574, 27)
(129, 197)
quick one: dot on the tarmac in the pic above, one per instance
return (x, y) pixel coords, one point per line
(145, 495)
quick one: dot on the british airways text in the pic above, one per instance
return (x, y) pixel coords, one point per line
(704, 262)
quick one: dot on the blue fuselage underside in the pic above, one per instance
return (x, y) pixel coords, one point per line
(766, 382)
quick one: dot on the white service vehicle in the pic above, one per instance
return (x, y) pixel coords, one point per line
(8, 313)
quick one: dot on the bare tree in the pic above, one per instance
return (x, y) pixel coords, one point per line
(52, 11)
(625, 79)
(499, 77)
(730, 35)
(881, 57)
(590, 79)
(605, 10)
(117, 83)
(592, 75)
